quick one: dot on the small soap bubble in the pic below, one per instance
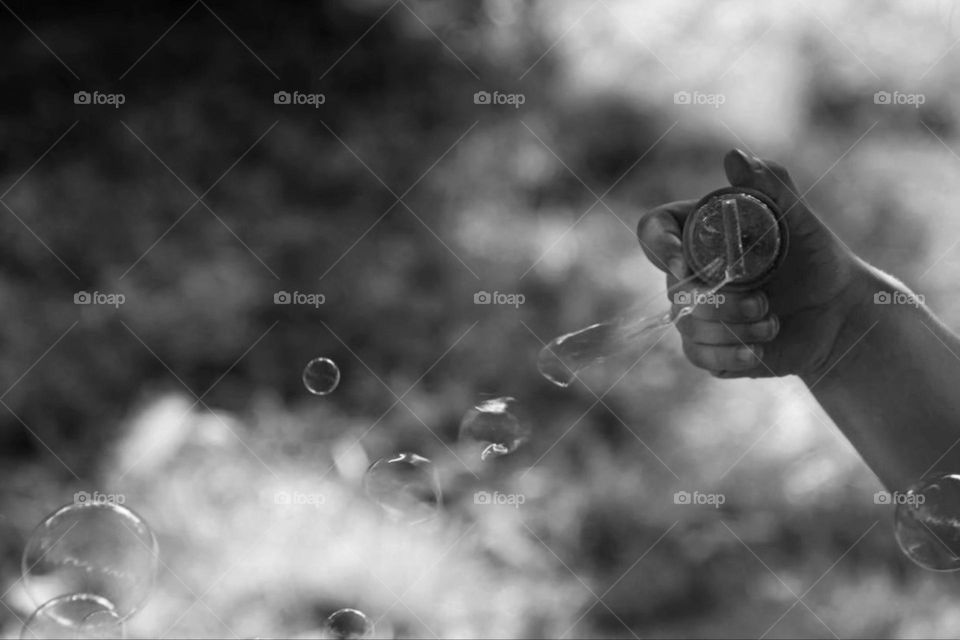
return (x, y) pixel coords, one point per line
(102, 549)
(80, 615)
(349, 624)
(495, 426)
(927, 522)
(321, 376)
(406, 487)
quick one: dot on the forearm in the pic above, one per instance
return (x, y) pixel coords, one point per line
(893, 384)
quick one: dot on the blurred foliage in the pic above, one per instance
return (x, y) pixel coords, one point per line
(493, 198)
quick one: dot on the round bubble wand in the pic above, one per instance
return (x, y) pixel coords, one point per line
(735, 238)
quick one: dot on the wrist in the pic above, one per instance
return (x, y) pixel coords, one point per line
(851, 314)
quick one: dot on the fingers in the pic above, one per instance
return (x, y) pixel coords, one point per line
(726, 306)
(707, 333)
(725, 359)
(660, 234)
(725, 333)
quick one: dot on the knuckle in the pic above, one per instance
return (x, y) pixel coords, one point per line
(698, 355)
(644, 223)
(764, 330)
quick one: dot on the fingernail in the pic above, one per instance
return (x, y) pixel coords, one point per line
(737, 165)
(752, 307)
(746, 355)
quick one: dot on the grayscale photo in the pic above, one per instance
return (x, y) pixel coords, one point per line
(480, 319)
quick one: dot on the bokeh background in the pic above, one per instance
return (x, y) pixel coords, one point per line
(398, 199)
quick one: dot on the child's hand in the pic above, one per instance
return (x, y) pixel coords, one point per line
(792, 323)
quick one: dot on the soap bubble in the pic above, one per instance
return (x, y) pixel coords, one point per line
(101, 549)
(565, 356)
(405, 486)
(495, 426)
(80, 615)
(349, 624)
(927, 523)
(321, 376)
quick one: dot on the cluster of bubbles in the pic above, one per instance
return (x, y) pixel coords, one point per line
(406, 486)
(91, 565)
(88, 567)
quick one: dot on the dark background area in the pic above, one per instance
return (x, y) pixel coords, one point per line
(494, 198)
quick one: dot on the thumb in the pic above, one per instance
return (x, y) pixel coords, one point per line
(773, 180)
(767, 177)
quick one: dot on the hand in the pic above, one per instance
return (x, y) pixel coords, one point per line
(792, 324)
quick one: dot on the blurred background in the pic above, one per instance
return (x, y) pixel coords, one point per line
(399, 198)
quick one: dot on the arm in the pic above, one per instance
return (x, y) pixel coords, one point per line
(887, 374)
(893, 383)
